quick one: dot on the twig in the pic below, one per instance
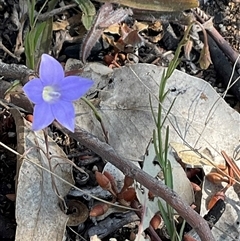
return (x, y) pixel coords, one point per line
(156, 187)
(116, 222)
(224, 68)
(221, 42)
(15, 71)
(6, 50)
(98, 117)
(47, 15)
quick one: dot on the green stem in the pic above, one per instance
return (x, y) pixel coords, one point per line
(98, 117)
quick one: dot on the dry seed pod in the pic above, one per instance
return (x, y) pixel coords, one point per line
(188, 48)
(103, 181)
(216, 178)
(126, 197)
(129, 195)
(128, 181)
(99, 210)
(188, 238)
(215, 198)
(156, 220)
(195, 187)
(112, 180)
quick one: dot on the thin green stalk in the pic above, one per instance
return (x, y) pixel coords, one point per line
(36, 18)
(168, 111)
(161, 147)
(98, 117)
(152, 110)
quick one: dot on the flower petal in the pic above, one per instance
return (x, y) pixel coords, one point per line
(33, 89)
(42, 116)
(64, 113)
(74, 87)
(51, 71)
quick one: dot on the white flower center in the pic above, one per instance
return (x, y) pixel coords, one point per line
(50, 94)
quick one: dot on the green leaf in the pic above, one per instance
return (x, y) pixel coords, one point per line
(37, 42)
(166, 144)
(44, 41)
(165, 217)
(29, 49)
(182, 229)
(37, 32)
(88, 12)
(31, 9)
(39, 36)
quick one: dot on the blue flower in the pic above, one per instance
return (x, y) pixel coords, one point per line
(53, 94)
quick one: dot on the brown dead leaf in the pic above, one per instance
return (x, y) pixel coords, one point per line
(156, 26)
(133, 39)
(128, 37)
(11, 197)
(140, 26)
(113, 29)
(155, 39)
(105, 18)
(38, 214)
(60, 25)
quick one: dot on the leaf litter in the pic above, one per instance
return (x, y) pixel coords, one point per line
(38, 213)
(195, 119)
(122, 104)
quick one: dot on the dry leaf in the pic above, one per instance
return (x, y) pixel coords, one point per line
(11, 197)
(106, 17)
(140, 26)
(38, 214)
(60, 25)
(181, 184)
(189, 156)
(207, 123)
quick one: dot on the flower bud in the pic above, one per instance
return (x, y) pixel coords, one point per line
(205, 58)
(103, 181)
(112, 181)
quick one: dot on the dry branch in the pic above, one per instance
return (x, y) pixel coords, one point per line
(156, 187)
(15, 71)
